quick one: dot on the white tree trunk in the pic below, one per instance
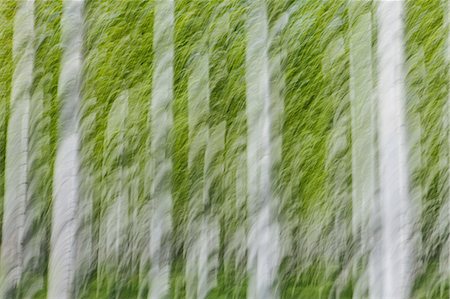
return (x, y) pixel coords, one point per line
(161, 162)
(198, 111)
(364, 152)
(66, 174)
(16, 168)
(114, 219)
(395, 202)
(263, 239)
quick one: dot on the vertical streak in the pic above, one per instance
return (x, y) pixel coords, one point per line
(395, 201)
(363, 109)
(16, 168)
(445, 256)
(263, 246)
(446, 265)
(66, 180)
(161, 148)
(363, 121)
(205, 144)
(209, 226)
(198, 111)
(113, 223)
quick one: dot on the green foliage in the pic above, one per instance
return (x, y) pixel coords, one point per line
(312, 63)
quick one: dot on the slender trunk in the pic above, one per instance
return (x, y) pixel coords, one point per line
(364, 153)
(161, 148)
(394, 185)
(114, 218)
(263, 239)
(66, 176)
(16, 168)
(198, 111)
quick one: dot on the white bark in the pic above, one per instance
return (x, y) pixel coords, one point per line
(115, 205)
(394, 182)
(364, 152)
(16, 168)
(161, 162)
(197, 241)
(263, 238)
(66, 174)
